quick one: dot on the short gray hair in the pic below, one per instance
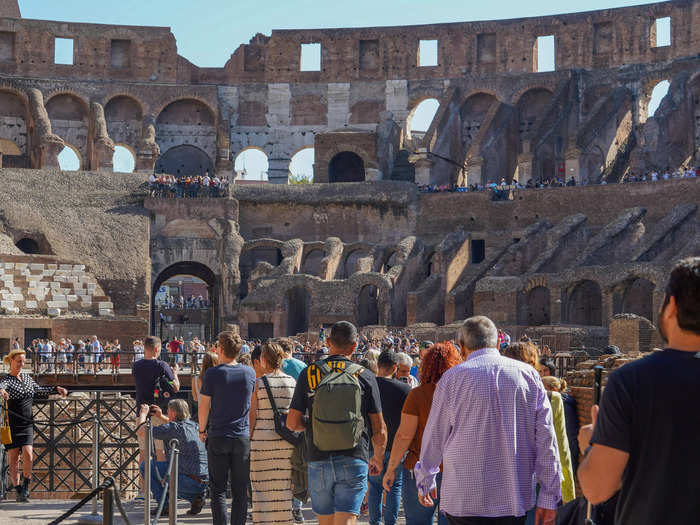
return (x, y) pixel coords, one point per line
(478, 332)
(404, 359)
(179, 406)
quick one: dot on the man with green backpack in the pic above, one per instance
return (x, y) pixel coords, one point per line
(340, 401)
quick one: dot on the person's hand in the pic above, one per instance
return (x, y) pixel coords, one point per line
(62, 391)
(428, 500)
(376, 465)
(585, 433)
(4, 394)
(144, 410)
(388, 480)
(545, 516)
(203, 436)
(156, 411)
(176, 368)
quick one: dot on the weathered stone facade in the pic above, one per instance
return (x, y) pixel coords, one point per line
(286, 259)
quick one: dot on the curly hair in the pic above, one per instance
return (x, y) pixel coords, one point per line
(274, 354)
(230, 344)
(525, 352)
(437, 360)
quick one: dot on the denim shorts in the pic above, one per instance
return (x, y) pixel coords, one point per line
(337, 485)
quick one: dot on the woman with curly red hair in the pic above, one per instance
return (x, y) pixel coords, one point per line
(437, 360)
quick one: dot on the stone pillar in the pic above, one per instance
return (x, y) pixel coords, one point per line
(525, 165)
(278, 171)
(606, 306)
(423, 167)
(474, 167)
(373, 174)
(572, 163)
(148, 151)
(555, 305)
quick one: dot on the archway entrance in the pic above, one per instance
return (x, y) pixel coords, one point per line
(185, 160)
(184, 303)
(297, 303)
(346, 167)
(368, 306)
(585, 304)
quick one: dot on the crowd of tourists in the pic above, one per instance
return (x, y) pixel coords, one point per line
(180, 302)
(169, 186)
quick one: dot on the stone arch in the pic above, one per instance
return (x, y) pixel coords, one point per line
(654, 93)
(68, 147)
(195, 269)
(368, 306)
(537, 301)
(294, 162)
(15, 129)
(473, 110)
(634, 296)
(297, 303)
(390, 261)
(254, 252)
(130, 151)
(584, 304)
(28, 245)
(241, 170)
(187, 121)
(69, 115)
(350, 261)
(531, 105)
(417, 105)
(346, 166)
(124, 116)
(185, 160)
(312, 262)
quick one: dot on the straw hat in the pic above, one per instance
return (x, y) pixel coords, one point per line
(9, 357)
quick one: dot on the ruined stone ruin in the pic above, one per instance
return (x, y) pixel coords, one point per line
(84, 252)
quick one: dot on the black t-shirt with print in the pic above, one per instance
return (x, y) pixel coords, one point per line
(650, 410)
(393, 393)
(371, 404)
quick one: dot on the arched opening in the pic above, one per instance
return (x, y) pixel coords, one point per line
(13, 131)
(538, 306)
(28, 246)
(249, 260)
(69, 120)
(531, 107)
(188, 317)
(473, 112)
(390, 261)
(297, 303)
(351, 262)
(421, 117)
(251, 165)
(187, 122)
(123, 160)
(657, 95)
(430, 265)
(312, 263)
(635, 296)
(69, 159)
(185, 160)
(301, 167)
(585, 304)
(124, 118)
(368, 306)
(346, 167)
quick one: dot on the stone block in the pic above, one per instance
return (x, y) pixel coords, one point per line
(105, 304)
(30, 305)
(52, 266)
(71, 298)
(105, 312)
(7, 304)
(36, 267)
(9, 266)
(57, 304)
(53, 311)
(20, 266)
(65, 267)
(16, 297)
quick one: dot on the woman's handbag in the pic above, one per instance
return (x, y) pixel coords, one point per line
(5, 434)
(291, 437)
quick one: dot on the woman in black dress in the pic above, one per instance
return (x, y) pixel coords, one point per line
(18, 390)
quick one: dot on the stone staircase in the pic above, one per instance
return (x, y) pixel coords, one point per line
(47, 286)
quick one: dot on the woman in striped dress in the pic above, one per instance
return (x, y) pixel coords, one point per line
(270, 455)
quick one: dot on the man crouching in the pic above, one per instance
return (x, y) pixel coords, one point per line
(192, 462)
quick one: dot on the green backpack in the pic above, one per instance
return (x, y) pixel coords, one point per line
(336, 416)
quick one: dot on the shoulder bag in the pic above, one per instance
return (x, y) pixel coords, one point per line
(5, 434)
(291, 437)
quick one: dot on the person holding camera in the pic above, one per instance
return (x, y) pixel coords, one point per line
(192, 461)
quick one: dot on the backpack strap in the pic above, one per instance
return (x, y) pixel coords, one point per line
(318, 370)
(270, 396)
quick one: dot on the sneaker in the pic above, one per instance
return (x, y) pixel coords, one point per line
(298, 516)
(196, 505)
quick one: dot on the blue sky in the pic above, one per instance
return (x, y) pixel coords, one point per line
(209, 31)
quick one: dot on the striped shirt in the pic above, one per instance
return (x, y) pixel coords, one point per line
(491, 427)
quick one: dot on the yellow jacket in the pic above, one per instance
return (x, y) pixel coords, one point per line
(568, 491)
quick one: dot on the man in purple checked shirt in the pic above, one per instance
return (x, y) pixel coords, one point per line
(491, 427)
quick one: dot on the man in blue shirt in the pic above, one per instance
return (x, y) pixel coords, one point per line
(290, 366)
(224, 407)
(192, 462)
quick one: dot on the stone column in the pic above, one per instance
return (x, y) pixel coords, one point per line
(606, 306)
(572, 163)
(525, 166)
(278, 171)
(474, 167)
(555, 305)
(423, 167)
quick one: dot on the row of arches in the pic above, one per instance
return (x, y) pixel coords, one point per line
(582, 303)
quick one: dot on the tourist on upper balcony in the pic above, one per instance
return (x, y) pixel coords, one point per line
(491, 427)
(643, 439)
(18, 390)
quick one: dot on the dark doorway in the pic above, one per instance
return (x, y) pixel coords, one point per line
(312, 263)
(538, 306)
(34, 333)
(368, 307)
(164, 320)
(637, 297)
(478, 250)
(184, 160)
(297, 304)
(346, 167)
(585, 304)
(28, 246)
(249, 260)
(261, 331)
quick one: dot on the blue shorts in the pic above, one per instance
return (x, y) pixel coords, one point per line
(337, 485)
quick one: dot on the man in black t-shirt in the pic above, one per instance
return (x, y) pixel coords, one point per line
(393, 393)
(338, 479)
(645, 437)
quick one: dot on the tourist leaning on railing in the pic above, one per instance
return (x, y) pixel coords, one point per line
(18, 390)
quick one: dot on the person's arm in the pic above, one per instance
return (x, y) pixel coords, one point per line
(379, 439)
(298, 406)
(158, 414)
(203, 414)
(253, 415)
(196, 386)
(143, 414)
(601, 470)
(404, 436)
(43, 392)
(547, 466)
(171, 374)
(437, 431)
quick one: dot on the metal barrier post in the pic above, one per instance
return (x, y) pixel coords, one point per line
(172, 498)
(107, 506)
(93, 517)
(147, 475)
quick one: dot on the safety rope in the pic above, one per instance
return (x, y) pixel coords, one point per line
(109, 482)
(47, 423)
(165, 481)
